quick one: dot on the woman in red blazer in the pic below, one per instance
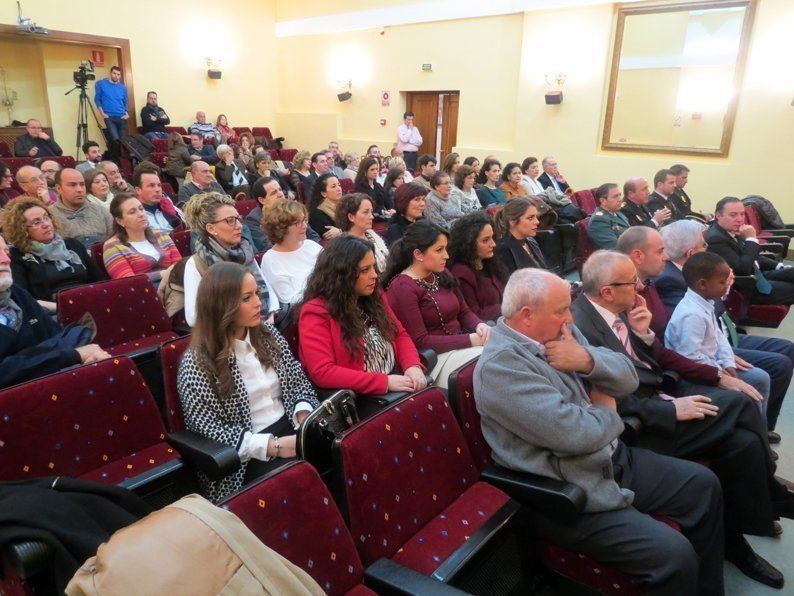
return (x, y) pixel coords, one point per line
(349, 337)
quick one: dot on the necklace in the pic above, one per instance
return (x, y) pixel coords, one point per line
(432, 288)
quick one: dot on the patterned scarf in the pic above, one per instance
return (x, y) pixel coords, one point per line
(56, 252)
(212, 252)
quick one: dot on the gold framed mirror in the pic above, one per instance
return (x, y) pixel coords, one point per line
(676, 73)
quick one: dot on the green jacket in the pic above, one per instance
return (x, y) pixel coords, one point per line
(605, 229)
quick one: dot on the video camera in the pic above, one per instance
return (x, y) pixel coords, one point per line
(84, 73)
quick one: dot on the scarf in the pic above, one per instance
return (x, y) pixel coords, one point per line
(56, 252)
(328, 208)
(10, 313)
(212, 252)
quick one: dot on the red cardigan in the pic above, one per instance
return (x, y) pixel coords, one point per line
(330, 365)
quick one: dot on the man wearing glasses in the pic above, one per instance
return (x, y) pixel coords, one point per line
(33, 183)
(35, 142)
(684, 417)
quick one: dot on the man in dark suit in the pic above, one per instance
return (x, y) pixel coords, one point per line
(775, 355)
(636, 193)
(681, 198)
(35, 142)
(552, 176)
(735, 241)
(724, 427)
(319, 167)
(662, 195)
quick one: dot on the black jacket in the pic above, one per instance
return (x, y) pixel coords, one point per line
(638, 215)
(739, 253)
(545, 181)
(158, 125)
(396, 229)
(378, 195)
(657, 201)
(43, 280)
(21, 356)
(71, 516)
(512, 253)
(25, 143)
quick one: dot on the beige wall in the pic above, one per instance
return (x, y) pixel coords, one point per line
(25, 76)
(498, 65)
(168, 41)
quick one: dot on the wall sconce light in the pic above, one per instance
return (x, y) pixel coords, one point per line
(554, 96)
(213, 67)
(345, 93)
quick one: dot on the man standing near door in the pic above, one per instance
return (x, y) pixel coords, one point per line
(409, 140)
(110, 96)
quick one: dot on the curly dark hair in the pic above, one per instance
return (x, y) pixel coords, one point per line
(420, 235)
(334, 278)
(319, 187)
(349, 205)
(463, 245)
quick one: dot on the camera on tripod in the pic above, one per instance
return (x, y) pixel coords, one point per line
(84, 73)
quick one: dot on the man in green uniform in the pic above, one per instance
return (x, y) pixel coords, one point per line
(607, 222)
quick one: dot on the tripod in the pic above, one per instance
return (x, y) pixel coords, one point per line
(84, 104)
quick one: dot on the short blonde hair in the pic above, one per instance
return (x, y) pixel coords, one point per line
(279, 216)
(299, 158)
(15, 227)
(202, 208)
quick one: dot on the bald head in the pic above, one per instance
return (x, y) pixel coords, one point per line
(637, 190)
(537, 304)
(70, 186)
(645, 247)
(598, 270)
(201, 117)
(610, 279)
(30, 180)
(201, 173)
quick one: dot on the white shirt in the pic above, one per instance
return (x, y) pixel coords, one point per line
(264, 396)
(408, 139)
(146, 248)
(287, 272)
(193, 279)
(533, 187)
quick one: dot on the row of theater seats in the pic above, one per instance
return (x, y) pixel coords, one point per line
(413, 491)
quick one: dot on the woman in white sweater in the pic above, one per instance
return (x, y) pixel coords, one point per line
(289, 263)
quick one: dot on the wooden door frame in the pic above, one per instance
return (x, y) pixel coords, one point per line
(121, 44)
(445, 124)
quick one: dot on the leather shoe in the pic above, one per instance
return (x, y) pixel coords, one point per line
(773, 437)
(775, 456)
(777, 528)
(753, 566)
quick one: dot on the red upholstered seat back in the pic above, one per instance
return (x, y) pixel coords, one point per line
(245, 207)
(170, 357)
(461, 398)
(4, 150)
(753, 219)
(124, 309)
(238, 130)
(158, 158)
(14, 163)
(262, 131)
(160, 145)
(181, 240)
(348, 186)
(65, 161)
(585, 250)
(287, 154)
(76, 421)
(293, 513)
(401, 469)
(181, 130)
(273, 153)
(585, 199)
(97, 249)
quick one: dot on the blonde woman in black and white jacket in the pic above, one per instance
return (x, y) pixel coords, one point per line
(238, 382)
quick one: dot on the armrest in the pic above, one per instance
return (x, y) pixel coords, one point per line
(781, 232)
(558, 499)
(429, 358)
(385, 576)
(29, 558)
(211, 457)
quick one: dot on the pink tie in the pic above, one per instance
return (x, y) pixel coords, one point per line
(623, 335)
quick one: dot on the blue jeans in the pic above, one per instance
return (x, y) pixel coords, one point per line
(776, 357)
(759, 379)
(156, 135)
(117, 127)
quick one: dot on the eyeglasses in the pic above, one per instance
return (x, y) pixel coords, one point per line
(39, 221)
(230, 221)
(626, 283)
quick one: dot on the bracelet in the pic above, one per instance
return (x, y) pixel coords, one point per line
(278, 446)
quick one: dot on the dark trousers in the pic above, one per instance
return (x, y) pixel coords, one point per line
(257, 468)
(782, 281)
(156, 135)
(734, 442)
(661, 560)
(776, 357)
(116, 128)
(410, 160)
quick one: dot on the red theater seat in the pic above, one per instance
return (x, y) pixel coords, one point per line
(585, 199)
(348, 186)
(4, 150)
(97, 249)
(178, 129)
(287, 155)
(129, 316)
(181, 239)
(158, 158)
(160, 145)
(411, 488)
(65, 161)
(238, 130)
(170, 357)
(246, 206)
(262, 131)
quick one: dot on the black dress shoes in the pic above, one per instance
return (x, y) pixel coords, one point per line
(773, 437)
(741, 554)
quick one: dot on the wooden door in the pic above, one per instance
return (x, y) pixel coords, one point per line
(425, 109)
(449, 124)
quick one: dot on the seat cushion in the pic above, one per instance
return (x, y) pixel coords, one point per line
(583, 569)
(132, 465)
(132, 346)
(444, 534)
(360, 590)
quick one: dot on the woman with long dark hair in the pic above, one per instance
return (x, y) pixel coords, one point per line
(489, 179)
(428, 302)
(326, 194)
(481, 277)
(367, 183)
(355, 215)
(238, 382)
(515, 226)
(409, 204)
(349, 337)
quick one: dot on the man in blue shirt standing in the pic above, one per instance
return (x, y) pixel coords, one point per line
(110, 96)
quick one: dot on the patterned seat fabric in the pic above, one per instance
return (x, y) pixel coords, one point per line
(160, 145)
(96, 422)
(348, 185)
(585, 199)
(293, 513)
(4, 150)
(287, 154)
(170, 357)
(577, 566)
(126, 311)
(65, 161)
(262, 131)
(136, 345)
(158, 158)
(245, 207)
(403, 470)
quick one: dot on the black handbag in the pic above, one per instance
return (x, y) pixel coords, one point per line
(319, 429)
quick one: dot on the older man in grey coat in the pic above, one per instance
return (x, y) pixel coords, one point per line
(547, 403)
